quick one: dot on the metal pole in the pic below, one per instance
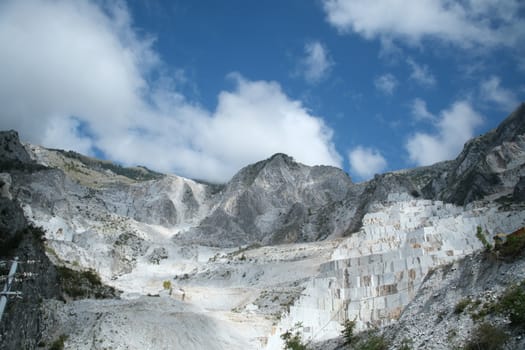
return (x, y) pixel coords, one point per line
(7, 286)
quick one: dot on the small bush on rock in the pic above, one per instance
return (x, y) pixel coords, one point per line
(59, 343)
(373, 342)
(461, 306)
(487, 337)
(348, 332)
(514, 246)
(406, 344)
(512, 304)
(166, 285)
(481, 237)
(292, 339)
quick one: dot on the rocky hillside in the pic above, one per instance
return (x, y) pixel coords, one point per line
(275, 201)
(280, 244)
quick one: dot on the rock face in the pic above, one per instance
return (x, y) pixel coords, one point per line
(11, 149)
(271, 202)
(37, 279)
(489, 164)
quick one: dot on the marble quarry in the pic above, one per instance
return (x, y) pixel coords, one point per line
(375, 273)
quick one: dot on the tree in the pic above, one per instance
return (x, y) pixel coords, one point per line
(348, 332)
(292, 339)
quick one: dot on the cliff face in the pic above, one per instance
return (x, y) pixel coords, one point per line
(36, 278)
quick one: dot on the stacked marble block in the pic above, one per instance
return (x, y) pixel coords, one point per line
(376, 272)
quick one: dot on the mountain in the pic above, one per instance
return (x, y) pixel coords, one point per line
(281, 243)
(274, 201)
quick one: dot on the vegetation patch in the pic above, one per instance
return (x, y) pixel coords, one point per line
(406, 344)
(166, 285)
(482, 238)
(512, 305)
(84, 284)
(9, 244)
(138, 173)
(292, 339)
(461, 306)
(348, 332)
(514, 245)
(373, 342)
(58, 344)
(487, 337)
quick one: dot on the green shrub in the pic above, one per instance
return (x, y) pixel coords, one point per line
(348, 332)
(461, 306)
(512, 304)
(481, 237)
(166, 285)
(406, 344)
(373, 342)
(512, 247)
(292, 339)
(487, 337)
(59, 343)
(83, 284)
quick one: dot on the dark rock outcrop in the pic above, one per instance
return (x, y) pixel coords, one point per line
(11, 148)
(36, 279)
(518, 194)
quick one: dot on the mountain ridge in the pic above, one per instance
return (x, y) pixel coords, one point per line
(280, 243)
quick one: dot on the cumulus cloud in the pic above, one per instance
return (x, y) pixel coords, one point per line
(453, 127)
(316, 64)
(365, 162)
(420, 111)
(492, 91)
(75, 76)
(469, 23)
(386, 83)
(421, 74)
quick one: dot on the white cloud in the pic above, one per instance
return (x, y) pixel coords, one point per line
(365, 162)
(420, 111)
(316, 64)
(453, 128)
(492, 91)
(468, 23)
(421, 74)
(386, 83)
(74, 76)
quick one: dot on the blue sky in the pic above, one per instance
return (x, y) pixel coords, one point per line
(202, 88)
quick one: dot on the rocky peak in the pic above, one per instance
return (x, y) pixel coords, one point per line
(11, 148)
(273, 201)
(276, 164)
(491, 163)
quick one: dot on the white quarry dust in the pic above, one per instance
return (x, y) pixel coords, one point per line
(213, 307)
